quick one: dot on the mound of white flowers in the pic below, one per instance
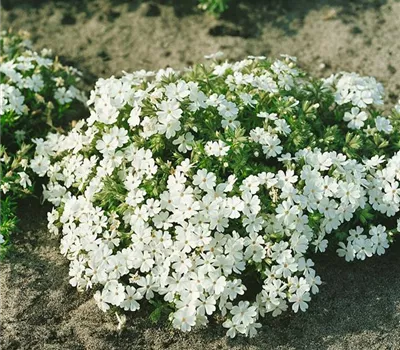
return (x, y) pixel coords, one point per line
(36, 91)
(207, 191)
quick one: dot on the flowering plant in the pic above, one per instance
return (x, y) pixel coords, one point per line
(208, 191)
(35, 89)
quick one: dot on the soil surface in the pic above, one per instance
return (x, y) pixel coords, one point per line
(358, 306)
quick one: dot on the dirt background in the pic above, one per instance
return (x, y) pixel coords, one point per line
(359, 303)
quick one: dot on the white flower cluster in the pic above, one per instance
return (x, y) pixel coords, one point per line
(34, 89)
(29, 82)
(360, 92)
(180, 189)
(17, 165)
(23, 77)
(355, 89)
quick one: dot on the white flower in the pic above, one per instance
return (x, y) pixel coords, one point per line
(184, 142)
(363, 248)
(271, 146)
(282, 127)
(177, 91)
(131, 297)
(235, 205)
(114, 293)
(349, 192)
(40, 165)
(63, 96)
(243, 313)
(34, 83)
(287, 213)
(228, 109)
(107, 145)
(25, 180)
(355, 118)
(287, 267)
(168, 110)
(98, 297)
(299, 300)
(134, 116)
(205, 180)
(207, 305)
(184, 319)
(169, 126)
(383, 124)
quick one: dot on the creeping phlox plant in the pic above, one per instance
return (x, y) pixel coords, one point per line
(207, 191)
(35, 89)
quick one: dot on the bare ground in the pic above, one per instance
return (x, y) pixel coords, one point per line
(359, 303)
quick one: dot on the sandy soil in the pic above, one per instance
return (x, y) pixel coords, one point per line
(104, 37)
(359, 304)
